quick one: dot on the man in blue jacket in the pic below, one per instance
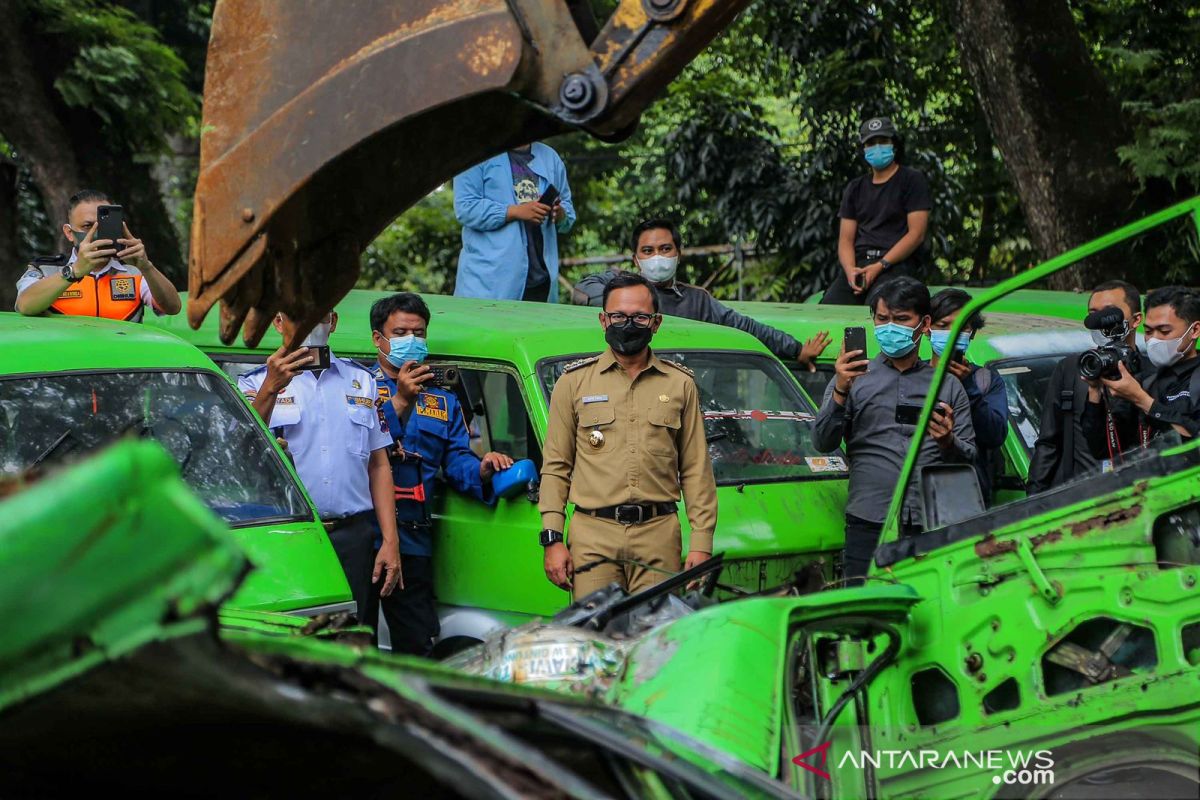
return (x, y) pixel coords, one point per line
(429, 433)
(510, 238)
(984, 385)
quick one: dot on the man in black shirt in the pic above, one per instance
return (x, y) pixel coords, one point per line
(884, 218)
(1061, 451)
(1165, 396)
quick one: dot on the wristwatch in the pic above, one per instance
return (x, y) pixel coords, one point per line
(68, 273)
(548, 537)
(885, 263)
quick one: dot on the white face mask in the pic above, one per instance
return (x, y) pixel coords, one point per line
(658, 269)
(319, 337)
(1165, 352)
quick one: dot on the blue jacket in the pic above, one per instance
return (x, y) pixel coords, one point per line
(494, 259)
(436, 430)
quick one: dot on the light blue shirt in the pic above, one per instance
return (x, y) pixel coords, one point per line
(331, 428)
(494, 259)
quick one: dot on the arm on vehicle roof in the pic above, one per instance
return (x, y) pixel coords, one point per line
(784, 346)
(590, 290)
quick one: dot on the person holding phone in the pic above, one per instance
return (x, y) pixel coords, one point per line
(512, 208)
(107, 274)
(884, 218)
(328, 418)
(984, 385)
(873, 405)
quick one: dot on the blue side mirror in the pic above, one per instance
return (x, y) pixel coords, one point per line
(513, 481)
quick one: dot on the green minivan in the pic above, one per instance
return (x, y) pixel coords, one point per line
(71, 385)
(780, 500)
(1024, 349)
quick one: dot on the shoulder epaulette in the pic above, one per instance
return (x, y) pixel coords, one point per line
(583, 362)
(51, 261)
(679, 367)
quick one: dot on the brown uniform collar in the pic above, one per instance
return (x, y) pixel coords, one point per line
(608, 359)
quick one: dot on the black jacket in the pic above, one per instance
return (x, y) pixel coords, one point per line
(1061, 451)
(692, 302)
(1176, 393)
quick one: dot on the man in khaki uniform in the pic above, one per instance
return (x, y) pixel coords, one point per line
(625, 436)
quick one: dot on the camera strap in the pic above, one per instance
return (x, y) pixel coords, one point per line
(1114, 441)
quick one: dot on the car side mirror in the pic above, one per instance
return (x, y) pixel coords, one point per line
(513, 481)
(950, 493)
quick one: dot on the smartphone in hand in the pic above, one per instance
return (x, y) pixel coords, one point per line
(320, 357)
(855, 338)
(550, 196)
(110, 224)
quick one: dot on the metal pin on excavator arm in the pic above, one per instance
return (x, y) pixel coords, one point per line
(324, 120)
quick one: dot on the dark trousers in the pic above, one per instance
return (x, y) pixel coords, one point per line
(840, 293)
(411, 612)
(539, 293)
(353, 540)
(862, 537)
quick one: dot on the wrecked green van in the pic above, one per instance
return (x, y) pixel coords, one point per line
(71, 385)
(780, 500)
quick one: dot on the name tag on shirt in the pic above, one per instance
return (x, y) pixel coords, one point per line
(285, 401)
(595, 398)
(354, 400)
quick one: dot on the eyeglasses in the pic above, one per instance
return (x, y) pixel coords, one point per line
(621, 319)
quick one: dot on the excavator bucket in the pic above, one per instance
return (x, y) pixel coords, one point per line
(325, 119)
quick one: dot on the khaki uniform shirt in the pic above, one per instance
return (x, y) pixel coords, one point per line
(611, 440)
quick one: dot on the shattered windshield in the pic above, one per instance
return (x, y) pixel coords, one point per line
(758, 424)
(222, 453)
(1026, 381)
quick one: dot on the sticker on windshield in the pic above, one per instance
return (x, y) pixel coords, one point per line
(825, 463)
(761, 416)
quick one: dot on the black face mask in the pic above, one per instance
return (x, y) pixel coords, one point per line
(629, 339)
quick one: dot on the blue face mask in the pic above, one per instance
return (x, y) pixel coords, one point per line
(939, 339)
(879, 156)
(896, 341)
(406, 348)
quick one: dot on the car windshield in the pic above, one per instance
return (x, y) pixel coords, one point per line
(222, 453)
(758, 424)
(1026, 381)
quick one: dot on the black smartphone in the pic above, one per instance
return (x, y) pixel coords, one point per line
(855, 338)
(110, 222)
(322, 357)
(907, 415)
(958, 356)
(550, 196)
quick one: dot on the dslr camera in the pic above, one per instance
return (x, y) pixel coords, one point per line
(1103, 361)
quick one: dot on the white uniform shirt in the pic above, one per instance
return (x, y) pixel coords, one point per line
(331, 427)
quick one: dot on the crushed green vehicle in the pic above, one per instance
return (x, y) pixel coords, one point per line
(71, 385)
(780, 500)
(116, 678)
(1047, 647)
(1023, 347)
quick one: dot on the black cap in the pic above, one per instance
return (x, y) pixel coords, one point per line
(876, 126)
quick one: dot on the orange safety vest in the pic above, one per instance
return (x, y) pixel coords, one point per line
(114, 295)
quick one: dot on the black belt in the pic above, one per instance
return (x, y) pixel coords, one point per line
(333, 523)
(631, 513)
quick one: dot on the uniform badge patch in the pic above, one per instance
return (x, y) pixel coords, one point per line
(432, 405)
(355, 383)
(123, 289)
(354, 400)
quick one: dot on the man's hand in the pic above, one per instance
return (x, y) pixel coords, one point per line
(559, 212)
(493, 462)
(869, 273)
(93, 253)
(812, 349)
(941, 425)
(531, 211)
(411, 378)
(282, 366)
(559, 568)
(1127, 388)
(694, 558)
(960, 370)
(134, 252)
(387, 566)
(854, 278)
(848, 368)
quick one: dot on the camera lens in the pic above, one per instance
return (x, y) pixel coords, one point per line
(1092, 364)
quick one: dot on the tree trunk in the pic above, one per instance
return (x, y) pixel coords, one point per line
(1055, 122)
(11, 265)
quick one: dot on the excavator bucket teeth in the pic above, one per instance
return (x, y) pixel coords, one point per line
(324, 120)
